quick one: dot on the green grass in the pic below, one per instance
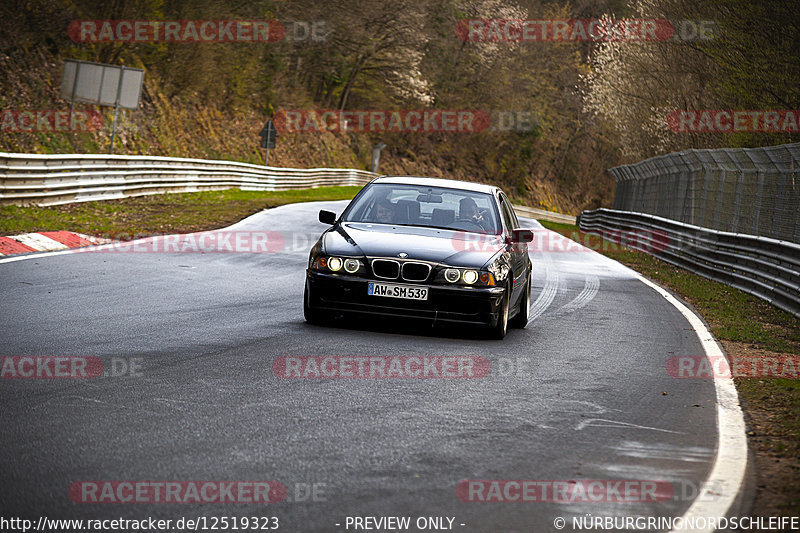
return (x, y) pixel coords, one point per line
(158, 214)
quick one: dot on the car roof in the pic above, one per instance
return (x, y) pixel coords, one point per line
(438, 182)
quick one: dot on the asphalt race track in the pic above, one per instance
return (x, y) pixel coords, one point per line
(581, 394)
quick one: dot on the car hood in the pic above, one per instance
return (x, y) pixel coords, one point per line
(454, 248)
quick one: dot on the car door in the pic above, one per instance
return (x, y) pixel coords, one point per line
(518, 251)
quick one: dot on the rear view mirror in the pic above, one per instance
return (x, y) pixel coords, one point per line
(327, 217)
(521, 235)
(429, 198)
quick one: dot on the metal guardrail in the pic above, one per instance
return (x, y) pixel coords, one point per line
(62, 179)
(762, 266)
(541, 214)
(56, 179)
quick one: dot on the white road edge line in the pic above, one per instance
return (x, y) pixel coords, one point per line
(36, 255)
(725, 482)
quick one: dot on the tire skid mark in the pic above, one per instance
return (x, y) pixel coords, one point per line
(606, 423)
(549, 290)
(590, 289)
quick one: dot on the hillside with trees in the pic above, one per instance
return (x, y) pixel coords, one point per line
(595, 105)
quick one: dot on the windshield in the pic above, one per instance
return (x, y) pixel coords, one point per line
(418, 205)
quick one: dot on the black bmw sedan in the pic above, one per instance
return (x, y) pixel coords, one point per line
(440, 250)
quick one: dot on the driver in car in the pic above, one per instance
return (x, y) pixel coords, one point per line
(384, 212)
(468, 212)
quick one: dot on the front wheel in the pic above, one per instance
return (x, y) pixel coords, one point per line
(498, 331)
(520, 320)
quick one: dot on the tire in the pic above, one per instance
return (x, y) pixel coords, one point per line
(312, 316)
(520, 320)
(499, 330)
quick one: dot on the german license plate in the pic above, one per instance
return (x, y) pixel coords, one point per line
(390, 290)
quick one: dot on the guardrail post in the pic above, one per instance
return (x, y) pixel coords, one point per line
(116, 109)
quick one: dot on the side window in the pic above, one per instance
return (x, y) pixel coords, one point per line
(509, 218)
(513, 215)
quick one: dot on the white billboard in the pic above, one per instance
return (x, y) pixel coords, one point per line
(96, 83)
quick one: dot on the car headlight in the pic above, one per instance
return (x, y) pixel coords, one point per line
(469, 277)
(452, 275)
(335, 264)
(466, 277)
(351, 266)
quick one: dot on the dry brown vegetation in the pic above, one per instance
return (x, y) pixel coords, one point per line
(595, 105)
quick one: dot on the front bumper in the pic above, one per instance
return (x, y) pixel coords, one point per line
(454, 304)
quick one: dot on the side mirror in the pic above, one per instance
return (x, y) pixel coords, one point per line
(327, 217)
(521, 235)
